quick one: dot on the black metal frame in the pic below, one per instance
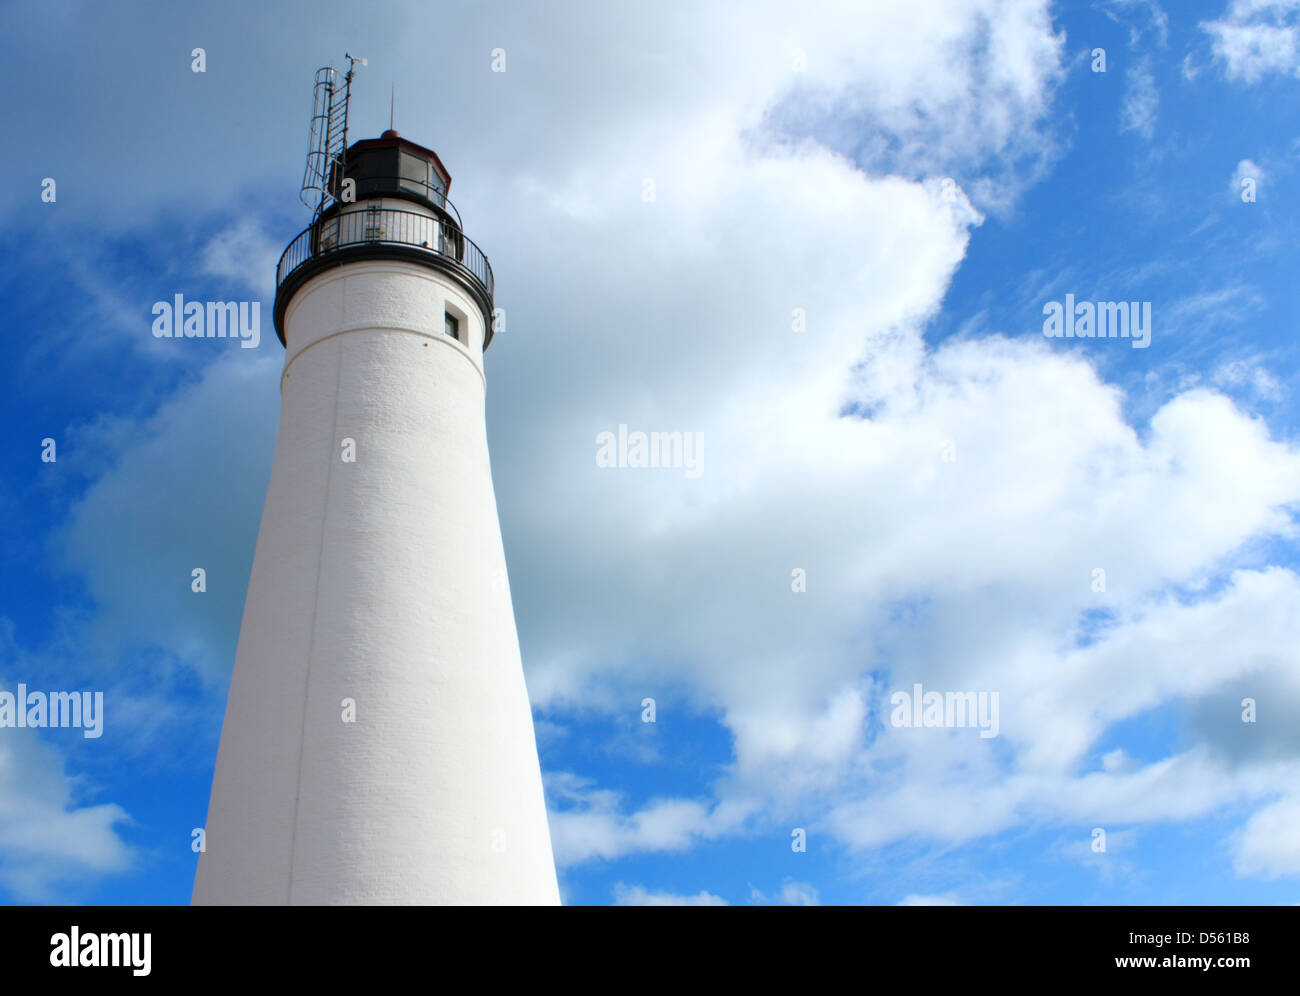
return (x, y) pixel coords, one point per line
(391, 186)
(348, 232)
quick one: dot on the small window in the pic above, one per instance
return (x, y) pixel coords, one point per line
(452, 325)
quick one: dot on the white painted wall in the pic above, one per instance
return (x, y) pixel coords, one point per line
(382, 581)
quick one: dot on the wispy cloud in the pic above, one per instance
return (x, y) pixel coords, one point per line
(924, 900)
(1141, 102)
(587, 822)
(1140, 16)
(639, 895)
(244, 254)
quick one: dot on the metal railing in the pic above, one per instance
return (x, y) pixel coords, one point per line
(369, 185)
(385, 226)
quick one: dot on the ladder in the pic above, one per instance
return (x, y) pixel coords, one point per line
(327, 138)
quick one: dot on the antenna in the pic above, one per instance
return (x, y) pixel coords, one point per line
(392, 107)
(327, 136)
(347, 92)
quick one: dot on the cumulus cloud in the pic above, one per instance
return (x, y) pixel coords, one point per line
(1269, 844)
(949, 504)
(987, 592)
(1254, 38)
(959, 88)
(50, 836)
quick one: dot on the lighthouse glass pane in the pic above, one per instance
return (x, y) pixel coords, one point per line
(452, 325)
(415, 175)
(374, 170)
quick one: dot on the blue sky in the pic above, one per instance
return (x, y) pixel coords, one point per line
(948, 478)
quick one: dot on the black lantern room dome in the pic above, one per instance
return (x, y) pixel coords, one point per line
(393, 166)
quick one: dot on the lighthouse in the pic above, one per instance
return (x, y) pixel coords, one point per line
(378, 743)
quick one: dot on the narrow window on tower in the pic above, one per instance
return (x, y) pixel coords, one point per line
(452, 326)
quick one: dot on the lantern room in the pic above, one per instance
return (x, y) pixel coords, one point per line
(392, 166)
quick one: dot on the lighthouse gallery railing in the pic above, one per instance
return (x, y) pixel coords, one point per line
(378, 226)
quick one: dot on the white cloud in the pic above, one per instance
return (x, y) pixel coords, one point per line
(1140, 14)
(1109, 863)
(953, 79)
(55, 838)
(1269, 844)
(959, 88)
(1254, 38)
(244, 254)
(1141, 101)
(1004, 583)
(675, 315)
(586, 823)
(1249, 375)
(923, 900)
(1246, 169)
(50, 837)
(792, 894)
(638, 895)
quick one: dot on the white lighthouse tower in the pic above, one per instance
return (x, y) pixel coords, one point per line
(378, 744)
